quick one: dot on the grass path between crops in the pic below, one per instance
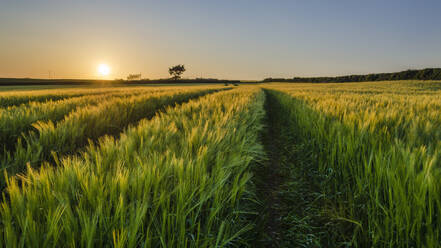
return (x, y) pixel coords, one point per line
(47, 156)
(293, 208)
(269, 182)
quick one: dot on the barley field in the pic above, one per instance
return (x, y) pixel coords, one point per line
(258, 165)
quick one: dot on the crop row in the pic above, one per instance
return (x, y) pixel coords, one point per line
(177, 180)
(412, 118)
(88, 123)
(17, 120)
(381, 157)
(17, 98)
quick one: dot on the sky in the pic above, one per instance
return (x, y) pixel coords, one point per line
(226, 39)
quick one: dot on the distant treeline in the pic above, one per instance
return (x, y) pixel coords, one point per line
(424, 74)
(31, 81)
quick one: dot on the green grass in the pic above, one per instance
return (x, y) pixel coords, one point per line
(88, 123)
(379, 145)
(178, 180)
(15, 98)
(19, 119)
(340, 165)
(43, 94)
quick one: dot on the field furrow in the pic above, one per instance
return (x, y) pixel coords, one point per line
(17, 120)
(17, 98)
(23, 98)
(274, 165)
(380, 160)
(177, 180)
(88, 123)
(294, 204)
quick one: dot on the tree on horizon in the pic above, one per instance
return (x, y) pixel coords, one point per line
(176, 71)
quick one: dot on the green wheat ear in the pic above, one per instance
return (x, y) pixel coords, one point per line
(289, 165)
(377, 146)
(150, 184)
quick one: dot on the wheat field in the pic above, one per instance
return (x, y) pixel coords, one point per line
(336, 165)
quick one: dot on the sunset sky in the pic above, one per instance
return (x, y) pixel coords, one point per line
(229, 39)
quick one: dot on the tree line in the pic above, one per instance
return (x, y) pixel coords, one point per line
(424, 74)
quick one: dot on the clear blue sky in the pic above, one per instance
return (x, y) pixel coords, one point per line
(223, 39)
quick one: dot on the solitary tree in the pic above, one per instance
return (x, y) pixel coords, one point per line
(176, 71)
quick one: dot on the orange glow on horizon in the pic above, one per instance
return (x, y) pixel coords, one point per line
(103, 70)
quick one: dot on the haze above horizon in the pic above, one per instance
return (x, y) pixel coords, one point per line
(218, 39)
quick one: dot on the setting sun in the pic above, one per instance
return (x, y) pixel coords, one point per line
(220, 123)
(103, 70)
